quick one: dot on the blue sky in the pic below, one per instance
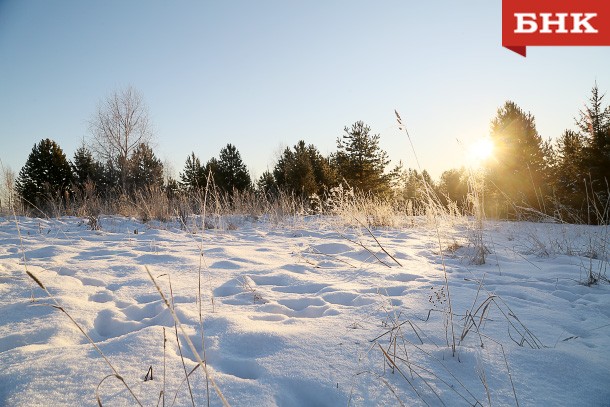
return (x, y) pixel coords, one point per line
(265, 74)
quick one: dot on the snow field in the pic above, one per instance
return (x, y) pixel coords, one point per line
(304, 313)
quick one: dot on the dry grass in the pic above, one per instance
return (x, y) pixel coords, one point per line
(55, 304)
(402, 338)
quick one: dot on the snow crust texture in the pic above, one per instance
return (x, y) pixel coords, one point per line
(306, 313)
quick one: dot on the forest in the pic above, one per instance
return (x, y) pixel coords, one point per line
(116, 170)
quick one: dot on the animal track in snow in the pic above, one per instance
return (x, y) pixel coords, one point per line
(229, 288)
(305, 392)
(396, 291)
(300, 309)
(405, 277)
(109, 324)
(300, 304)
(129, 317)
(310, 288)
(332, 248)
(347, 298)
(140, 312)
(101, 296)
(268, 317)
(241, 368)
(95, 282)
(225, 264)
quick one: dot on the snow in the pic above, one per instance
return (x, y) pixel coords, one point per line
(304, 312)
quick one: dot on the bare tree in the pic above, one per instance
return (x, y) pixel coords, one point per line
(119, 125)
(7, 189)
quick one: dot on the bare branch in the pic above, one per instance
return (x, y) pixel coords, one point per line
(120, 124)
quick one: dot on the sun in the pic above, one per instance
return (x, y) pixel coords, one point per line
(480, 150)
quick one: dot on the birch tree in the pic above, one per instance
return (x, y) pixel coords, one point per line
(119, 125)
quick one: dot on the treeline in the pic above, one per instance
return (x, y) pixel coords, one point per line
(525, 177)
(301, 171)
(531, 178)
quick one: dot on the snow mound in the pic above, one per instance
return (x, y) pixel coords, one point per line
(302, 315)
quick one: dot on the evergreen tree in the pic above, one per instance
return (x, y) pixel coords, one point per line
(232, 174)
(324, 172)
(300, 177)
(282, 169)
(171, 187)
(303, 171)
(453, 187)
(412, 186)
(360, 160)
(86, 169)
(145, 169)
(594, 126)
(519, 172)
(569, 176)
(194, 177)
(110, 183)
(266, 185)
(45, 175)
(211, 170)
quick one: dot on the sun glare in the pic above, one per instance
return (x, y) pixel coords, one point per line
(480, 150)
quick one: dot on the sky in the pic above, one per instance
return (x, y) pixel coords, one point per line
(264, 74)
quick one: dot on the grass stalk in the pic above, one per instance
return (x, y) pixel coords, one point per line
(200, 361)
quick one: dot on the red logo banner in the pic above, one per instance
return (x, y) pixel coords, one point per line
(554, 22)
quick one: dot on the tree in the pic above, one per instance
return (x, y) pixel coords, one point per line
(193, 178)
(581, 169)
(360, 160)
(303, 171)
(266, 185)
(111, 179)
(145, 169)
(171, 187)
(324, 172)
(412, 186)
(569, 175)
(231, 171)
(211, 170)
(453, 187)
(594, 126)
(45, 175)
(519, 171)
(86, 169)
(294, 171)
(118, 127)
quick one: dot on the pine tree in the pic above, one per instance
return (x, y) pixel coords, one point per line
(303, 171)
(171, 188)
(360, 160)
(300, 175)
(594, 126)
(145, 169)
(267, 186)
(412, 186)
(231, 171)
(45, 175)
(194, 177)
(324, 172)
(281, 170)
(86, 169)
(569, 176)
(453, 187)
(211, 171)
(111, 179)
(519, 172)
